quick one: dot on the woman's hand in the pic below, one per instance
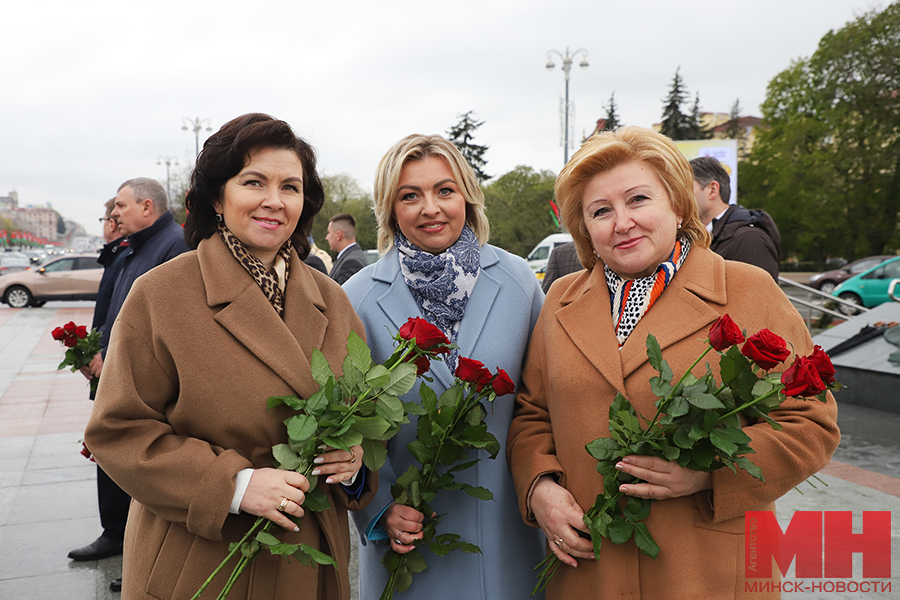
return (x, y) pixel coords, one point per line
(560, 518)
(338, 465)
(661, 479)
(403, 525)
(274, 493)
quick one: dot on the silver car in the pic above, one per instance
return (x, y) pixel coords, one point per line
(69, 277)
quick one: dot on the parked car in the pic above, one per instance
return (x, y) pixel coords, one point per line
(827, 281)
(13, 263)
(540, 254)
(69, 277)
(869, 288)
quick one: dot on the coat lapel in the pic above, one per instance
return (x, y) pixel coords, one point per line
(682, 310)
(249, 317)
(585, 317)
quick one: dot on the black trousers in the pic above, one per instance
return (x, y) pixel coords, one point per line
(114, 503)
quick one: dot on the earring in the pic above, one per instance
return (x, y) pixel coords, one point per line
(219, 218)
(679, 223)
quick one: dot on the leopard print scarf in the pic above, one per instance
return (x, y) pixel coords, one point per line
(272, 283)
(632, 298)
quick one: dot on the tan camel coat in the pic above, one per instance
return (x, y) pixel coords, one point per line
(195, 353)
(573, 372)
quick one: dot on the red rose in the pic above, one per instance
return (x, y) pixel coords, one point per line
(473, 371)
(425, 335)
(81, 332)
(724, 334)
(70, 327)
(765, 349)
(58, 334)
(422, 365)
(70, 341)
(822, 362)
(502, 384)
(802, 379)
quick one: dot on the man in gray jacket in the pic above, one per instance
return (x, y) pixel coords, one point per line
(744, 235)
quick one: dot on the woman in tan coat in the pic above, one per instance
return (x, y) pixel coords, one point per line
(627, 199)
(180, 421)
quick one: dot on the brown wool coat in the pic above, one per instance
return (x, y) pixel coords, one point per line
(195, 353)
(573, 372)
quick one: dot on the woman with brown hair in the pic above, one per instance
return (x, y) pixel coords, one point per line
(180, 420)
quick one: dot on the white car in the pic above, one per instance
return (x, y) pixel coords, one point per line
(540, 255)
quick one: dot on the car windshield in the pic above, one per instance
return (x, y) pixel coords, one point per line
(14, 261)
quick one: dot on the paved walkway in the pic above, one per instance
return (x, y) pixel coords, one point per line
(48, 500)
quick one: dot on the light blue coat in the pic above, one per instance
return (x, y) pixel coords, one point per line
(497, 325)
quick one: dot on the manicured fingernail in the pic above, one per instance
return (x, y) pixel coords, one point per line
(623, 488)
(296, 529)
(619, 466)
(329, 480)
(626, 460)
(316, 472)
(319, 460)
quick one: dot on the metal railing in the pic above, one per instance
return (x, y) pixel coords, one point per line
(814, 291)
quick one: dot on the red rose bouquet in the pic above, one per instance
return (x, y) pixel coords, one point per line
(697, 424)
(361, 407)
(81, 347)
(447, 427)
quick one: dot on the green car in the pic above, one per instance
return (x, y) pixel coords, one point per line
(870, 288)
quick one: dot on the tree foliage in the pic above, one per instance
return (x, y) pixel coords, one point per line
(518, 205)
(825, 164)
(612, 117)
(734, 131)
(676, 124)
(462, 135)
(696, 131)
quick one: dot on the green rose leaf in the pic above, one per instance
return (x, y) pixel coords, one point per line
(403, 377)
(620, 531)
(477, 492)
(389, 407)
(378, 376)
(321, 371)
(316, 501)
(358, 352)
(415, 562)
(285, 457)
(301, 427)
(374, 454)
(603, 449)
(317, 556)
(291, 401)
(644, 540)
(704, 401)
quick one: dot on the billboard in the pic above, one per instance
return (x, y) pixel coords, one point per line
(724, 150)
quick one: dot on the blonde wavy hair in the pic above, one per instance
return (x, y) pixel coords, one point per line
(387, 181)
(608, 150)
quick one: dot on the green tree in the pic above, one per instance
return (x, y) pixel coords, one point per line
(696, 131)
(462, 135)
(612, 117)
(675, 122)
(734, 131)
(343, 194)
(825, 164)
(518, 206)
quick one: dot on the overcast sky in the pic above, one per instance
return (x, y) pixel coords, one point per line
(94, 92)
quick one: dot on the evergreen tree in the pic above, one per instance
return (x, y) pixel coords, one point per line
(734, 131)
(675, 123)
(612, 119)
(462, 135)
(697, 132)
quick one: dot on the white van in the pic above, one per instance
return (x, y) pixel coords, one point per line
(537, 258)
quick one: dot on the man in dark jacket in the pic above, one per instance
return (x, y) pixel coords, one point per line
(152, 238)
(342, 239)
(744, 235)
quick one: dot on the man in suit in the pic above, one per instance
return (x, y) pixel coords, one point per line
(748, 236)
(563, 260)
(152, 238)
(342, 239)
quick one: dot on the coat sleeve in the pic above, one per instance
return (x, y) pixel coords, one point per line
(805, 444)
(180, 478)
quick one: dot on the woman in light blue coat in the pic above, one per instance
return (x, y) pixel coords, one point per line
(436, 265)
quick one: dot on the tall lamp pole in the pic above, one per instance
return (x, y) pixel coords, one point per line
(567, 67)
(197, 125)
(169, 161)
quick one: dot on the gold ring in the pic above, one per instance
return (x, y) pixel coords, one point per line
(353, 454)
(558, 543)
(283, 504)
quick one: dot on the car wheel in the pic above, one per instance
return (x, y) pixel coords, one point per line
(849, 297)
(18, 296)
(827, 287)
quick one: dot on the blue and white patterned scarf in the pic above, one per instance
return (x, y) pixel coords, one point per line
(442, 283)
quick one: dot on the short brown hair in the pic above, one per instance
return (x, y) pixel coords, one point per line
(608, 150)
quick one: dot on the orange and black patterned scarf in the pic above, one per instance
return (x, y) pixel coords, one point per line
(632, 298)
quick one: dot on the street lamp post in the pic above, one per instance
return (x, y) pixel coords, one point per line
(169, 161)
(566, 67)
(195, 124)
